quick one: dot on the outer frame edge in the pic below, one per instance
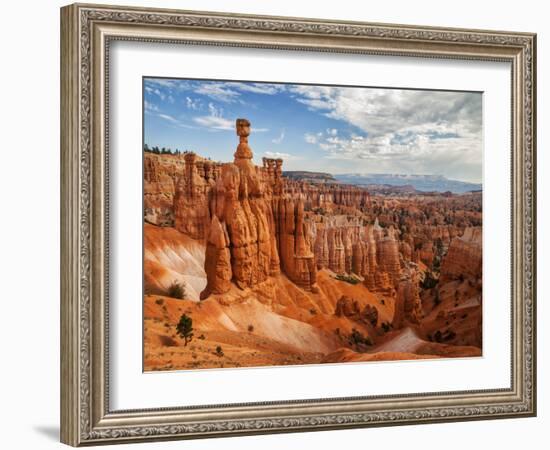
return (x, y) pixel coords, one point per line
(70, 227)
(69, 311)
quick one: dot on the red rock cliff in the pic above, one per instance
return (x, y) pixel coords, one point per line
(191, 209)
(160, 174)
(464, 257)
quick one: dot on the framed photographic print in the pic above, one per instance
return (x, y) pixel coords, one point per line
(279, 224)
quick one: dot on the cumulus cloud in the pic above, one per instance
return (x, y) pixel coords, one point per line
(409, 129)
(382, 111)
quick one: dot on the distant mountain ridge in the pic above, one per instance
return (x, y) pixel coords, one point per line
(424, 183)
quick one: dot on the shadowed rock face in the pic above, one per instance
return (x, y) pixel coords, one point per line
(217, 264)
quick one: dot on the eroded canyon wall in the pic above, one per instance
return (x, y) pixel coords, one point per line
(160, 174)
(255, 223)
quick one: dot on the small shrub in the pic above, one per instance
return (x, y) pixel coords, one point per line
(429, 281)
(357, 338)
(177, 290)
(347, 278)
(449, 335)
(185, 328)
(159, 301)
(385, 326)
(219, 351)
(250, 328)
(445, 336)
(313, 311)
(201, 337)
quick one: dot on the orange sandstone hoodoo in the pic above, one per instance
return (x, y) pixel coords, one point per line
(253, 227)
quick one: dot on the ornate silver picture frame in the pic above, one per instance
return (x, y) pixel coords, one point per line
(87, 32)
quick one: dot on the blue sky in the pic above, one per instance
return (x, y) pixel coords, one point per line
(321, 128)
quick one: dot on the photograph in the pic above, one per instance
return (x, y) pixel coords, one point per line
(288, 224)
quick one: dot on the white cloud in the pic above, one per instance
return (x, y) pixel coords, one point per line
(215, 120)
(155, 91)
(312, 138)
(192, 103)
(382, 111)
(214, 110)
(454, 157)
(150, 107)
(172, 120)
(217, 123)
(259, 88)
(217, 91)
(168, 118)
(415, 130)
(169, 84)
(284, 156)
(279, 139)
